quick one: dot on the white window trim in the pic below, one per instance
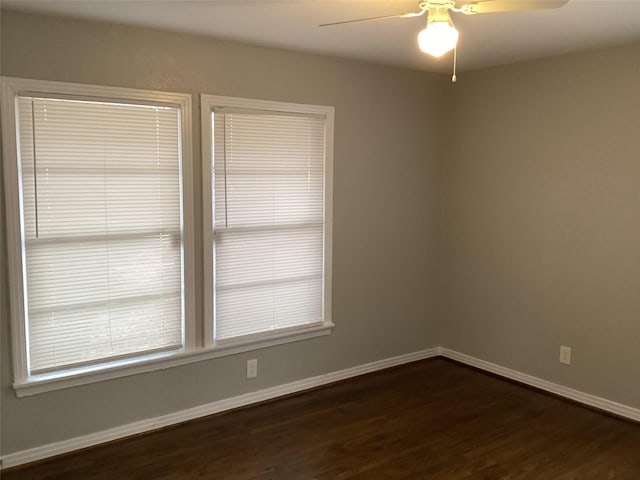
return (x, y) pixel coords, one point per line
(207, 104)
(149, 363)
(195, 348)
(25, 384)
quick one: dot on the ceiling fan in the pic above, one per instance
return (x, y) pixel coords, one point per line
(440, 35)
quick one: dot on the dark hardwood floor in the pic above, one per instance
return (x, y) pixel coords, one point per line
(428, 420)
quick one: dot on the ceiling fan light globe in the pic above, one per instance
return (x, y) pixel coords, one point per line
(438, 38)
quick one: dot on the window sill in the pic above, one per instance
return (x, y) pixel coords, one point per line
(36, 384)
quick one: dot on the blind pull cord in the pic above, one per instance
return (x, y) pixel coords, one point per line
(35, 166)
(224, 154)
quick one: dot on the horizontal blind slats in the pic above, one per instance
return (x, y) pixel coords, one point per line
(102, 225)
(269, 221)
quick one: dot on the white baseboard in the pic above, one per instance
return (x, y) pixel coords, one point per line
(84, 441)
(576, 395)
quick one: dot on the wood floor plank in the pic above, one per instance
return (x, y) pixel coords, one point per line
(433, 419)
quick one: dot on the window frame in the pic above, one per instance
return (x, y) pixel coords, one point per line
(198, 345)
(207, 105)
(24, 383)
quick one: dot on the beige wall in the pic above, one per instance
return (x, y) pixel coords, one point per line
(385, 192)
(542, 238)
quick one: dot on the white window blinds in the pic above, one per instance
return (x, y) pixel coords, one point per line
(101, 198)
(268, 221)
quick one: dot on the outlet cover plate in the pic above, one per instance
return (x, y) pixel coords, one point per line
(252, 368)
(565, 355)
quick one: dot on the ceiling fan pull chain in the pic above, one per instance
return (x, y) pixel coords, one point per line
(454, 79)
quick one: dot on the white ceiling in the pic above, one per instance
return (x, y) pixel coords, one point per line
(485, 40)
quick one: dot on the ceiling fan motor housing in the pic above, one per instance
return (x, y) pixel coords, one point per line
(435, 4)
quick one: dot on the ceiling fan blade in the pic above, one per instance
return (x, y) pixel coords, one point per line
(383, 17)
(495, 6)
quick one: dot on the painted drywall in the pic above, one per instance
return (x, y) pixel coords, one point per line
(513, 233)
(385, 208)
(541, 245)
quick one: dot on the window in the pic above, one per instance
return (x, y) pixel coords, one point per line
(101, 259)
(268, 219)
(97, 232)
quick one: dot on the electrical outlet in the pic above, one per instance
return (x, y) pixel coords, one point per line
(565, 355)
(252, 368)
